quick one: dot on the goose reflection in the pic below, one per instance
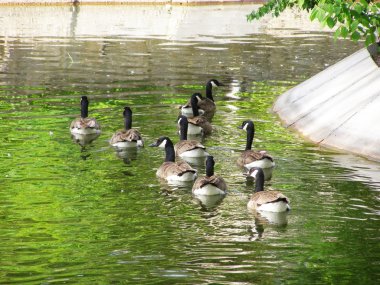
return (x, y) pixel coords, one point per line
(209, 202)
(264, 221)
(84, 139)
(126, 154)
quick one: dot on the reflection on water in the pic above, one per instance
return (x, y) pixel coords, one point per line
(209, 201)
(84, 140)
(95, 214)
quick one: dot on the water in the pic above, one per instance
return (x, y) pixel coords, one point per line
(86, 215)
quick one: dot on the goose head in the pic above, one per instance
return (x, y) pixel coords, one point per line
(162, 142)
(167, 144)
(84, 107)
(210, 163)
(195, 98)
(249, 127)
(183, 124)
(209, 85)
(127, 114)
(214, 83)
(258, 174)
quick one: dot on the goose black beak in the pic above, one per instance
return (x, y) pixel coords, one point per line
(153, 144)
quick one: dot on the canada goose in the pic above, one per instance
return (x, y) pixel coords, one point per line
(188, 148)
(207, 105)
(250, 158)
(128, 137)
(170, 170)
(198, 125)
(84, 125)
(270, 201)
(210, 184)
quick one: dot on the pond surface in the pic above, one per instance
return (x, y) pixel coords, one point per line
(77, 214)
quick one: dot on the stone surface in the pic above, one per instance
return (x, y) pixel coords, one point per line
(338, 107)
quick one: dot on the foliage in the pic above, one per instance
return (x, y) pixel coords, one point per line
(354, 19)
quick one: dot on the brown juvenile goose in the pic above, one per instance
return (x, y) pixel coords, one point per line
(84, 125)
(210, 184)
(250, 158)
(128, 137)
(198, 125)
(185, 147)
(270, 201)
(171, 170)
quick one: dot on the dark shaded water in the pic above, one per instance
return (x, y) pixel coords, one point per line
(83, 215)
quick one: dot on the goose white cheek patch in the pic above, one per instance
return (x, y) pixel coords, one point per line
(162, 145)
(253, 174)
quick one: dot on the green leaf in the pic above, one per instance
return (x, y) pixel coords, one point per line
(321, 15)
(355, 36)
(370, 39)
(313, 14)
(343, 31)
(354, 25)
(358, 8)
(331, 22)
(364, 3)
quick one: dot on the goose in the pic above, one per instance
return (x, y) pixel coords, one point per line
(269, 201)
(250, 158)
(128, 137)
(198, 125)
(188, 148)
(207, 105)
(210, 184)
(171, 170)
(84, 125)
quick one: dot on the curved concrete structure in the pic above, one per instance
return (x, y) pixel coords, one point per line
(339, 107)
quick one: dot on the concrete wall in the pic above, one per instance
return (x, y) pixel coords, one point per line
(179, 23)
(339, 107)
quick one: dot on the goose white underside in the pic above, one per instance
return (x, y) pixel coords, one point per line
(198, 152)
(194, 130)
(277, 207)
(86, 131)
(208, 190)
(188, 112)
(189, 176)
(128, 144)
(262, 163)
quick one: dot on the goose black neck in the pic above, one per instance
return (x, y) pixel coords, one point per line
(183, 126)
(169, 151)
(127, 120)
(209, 91)
(209, 167)
(84, 107)
(250, 135)
(259, 180)
(194, 106)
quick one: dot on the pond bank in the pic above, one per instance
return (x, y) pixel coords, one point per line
(338, 107)
(118, 2)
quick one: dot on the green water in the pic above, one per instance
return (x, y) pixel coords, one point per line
(72, 214)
